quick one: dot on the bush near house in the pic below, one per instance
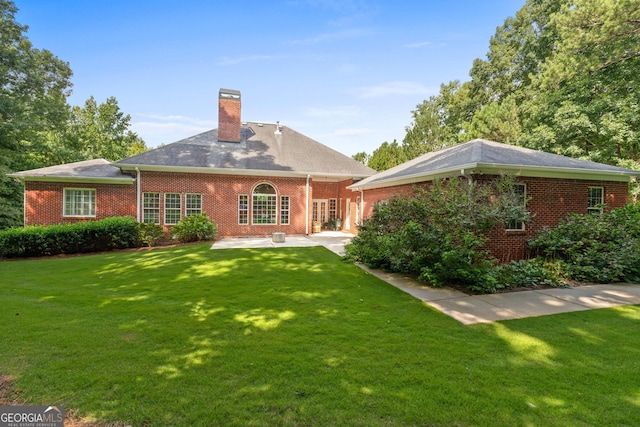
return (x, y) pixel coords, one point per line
(438, 234)
(594, 248)
(195, 228)
(80, 237)
(149, 233)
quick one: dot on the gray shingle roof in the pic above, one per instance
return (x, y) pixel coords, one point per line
(261, 149)
(482, 156)
(97, 170)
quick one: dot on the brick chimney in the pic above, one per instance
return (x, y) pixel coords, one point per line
(229, 115)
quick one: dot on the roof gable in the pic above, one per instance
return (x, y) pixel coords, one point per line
(486, 157)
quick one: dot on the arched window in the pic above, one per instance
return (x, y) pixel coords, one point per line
(265, 202)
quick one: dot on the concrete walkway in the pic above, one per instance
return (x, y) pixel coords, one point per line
(468, 309)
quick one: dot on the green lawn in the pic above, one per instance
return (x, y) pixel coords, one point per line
(294, 336)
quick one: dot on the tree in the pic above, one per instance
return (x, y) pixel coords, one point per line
(497, 121)
(93, 131)
(34, 85)
(361, 157)
(588, 92)
(386, 156)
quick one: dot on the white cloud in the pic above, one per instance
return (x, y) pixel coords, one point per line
(168, 129)
(353, 132)
(418, 45)
(394, 88)
(331, 37)
(235, 60)
(328, 112)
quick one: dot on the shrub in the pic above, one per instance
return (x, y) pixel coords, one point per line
(149, 233)
(195, 228)
(80, 237)
(595, 248)
(437, 234)
(519, 274)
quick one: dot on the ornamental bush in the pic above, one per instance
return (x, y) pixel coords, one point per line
(530, 273)
(438, 234)
(594, 248)
(80, 237)
(149, 233)
(195, 228)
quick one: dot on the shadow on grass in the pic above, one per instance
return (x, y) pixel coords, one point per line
(293, 336)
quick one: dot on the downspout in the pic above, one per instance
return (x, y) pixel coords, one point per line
(361, 206)
(306, 208)
(138, 187)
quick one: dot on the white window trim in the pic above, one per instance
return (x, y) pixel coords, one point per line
(288, 211)
(186, 205)
(523, 225)
(64, 203)
(172, 209)
(276, 199)
(595, 209)
(245, 210)
(145, 208)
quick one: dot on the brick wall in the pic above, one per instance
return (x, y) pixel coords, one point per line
(549, 201)
(220, 199)
(44, 202)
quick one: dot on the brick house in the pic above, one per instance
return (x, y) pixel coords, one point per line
(552, 185)
(251, 178)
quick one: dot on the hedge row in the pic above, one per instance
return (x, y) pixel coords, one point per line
(81, 237)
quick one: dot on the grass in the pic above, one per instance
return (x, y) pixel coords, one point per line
(294, 336)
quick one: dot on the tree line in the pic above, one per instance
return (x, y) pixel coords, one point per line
(560, 76)
(38, 127)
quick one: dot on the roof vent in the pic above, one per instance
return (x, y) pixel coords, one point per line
(278, 128)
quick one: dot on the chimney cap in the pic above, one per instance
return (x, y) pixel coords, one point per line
(229, 93)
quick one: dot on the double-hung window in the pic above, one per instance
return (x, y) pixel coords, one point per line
(172, 208)
(151, 207)
(193, 204)
(79, 202)
(284, 210)
(243, 209)
(520, 191)
(596, 200)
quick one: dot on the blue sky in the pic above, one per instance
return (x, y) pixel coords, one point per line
(346, 73)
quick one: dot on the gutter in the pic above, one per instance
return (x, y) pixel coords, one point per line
(497, 169)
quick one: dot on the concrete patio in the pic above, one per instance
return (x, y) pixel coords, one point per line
(468, 309)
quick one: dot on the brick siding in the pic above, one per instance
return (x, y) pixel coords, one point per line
(549, 200)
(44, 201)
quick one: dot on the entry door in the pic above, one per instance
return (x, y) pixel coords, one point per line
(320, 211)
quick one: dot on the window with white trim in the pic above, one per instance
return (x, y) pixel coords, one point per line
(172, 208)
(333, 208)
(284, 210)
(151, 207)
(243, 209)
(79, 202)
(521, 192)
(596, 200)
(263, 206)
(193, 204)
